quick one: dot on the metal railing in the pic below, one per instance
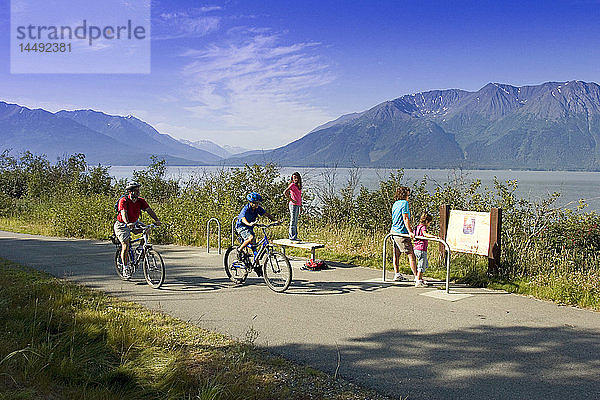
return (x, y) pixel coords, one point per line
(390, 235)
(208, 234)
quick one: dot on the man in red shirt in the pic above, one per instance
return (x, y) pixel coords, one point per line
(129, 210)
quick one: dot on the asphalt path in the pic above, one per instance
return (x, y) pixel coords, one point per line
(392, 337)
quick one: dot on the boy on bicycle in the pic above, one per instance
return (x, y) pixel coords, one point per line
(129, 210)
(247, 219)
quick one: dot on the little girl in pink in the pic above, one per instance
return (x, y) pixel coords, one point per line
(420, 247)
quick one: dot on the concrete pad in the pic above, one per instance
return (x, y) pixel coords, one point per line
(442, 295)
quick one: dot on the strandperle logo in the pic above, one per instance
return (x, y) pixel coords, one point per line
(84, 36)
(84, 31)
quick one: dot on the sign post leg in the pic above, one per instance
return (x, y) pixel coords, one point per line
(495, 236)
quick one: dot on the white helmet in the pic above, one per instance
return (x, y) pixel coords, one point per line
(133, 185)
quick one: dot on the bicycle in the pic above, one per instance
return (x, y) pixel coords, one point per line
(153, 265)
(261, 258)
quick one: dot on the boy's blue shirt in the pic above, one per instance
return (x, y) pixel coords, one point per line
(250, 215)
(400, 207)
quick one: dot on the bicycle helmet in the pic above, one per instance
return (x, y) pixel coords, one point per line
(254, 197)
(132, 185)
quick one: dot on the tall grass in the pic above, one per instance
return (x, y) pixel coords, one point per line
(63, 341)
(60, 338)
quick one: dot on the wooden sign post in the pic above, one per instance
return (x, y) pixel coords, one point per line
(495, 230)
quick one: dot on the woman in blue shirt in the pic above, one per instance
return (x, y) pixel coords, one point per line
(401, 224)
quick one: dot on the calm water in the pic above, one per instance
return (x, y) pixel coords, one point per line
(532, 184)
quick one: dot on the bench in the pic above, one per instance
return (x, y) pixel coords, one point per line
(299, 244)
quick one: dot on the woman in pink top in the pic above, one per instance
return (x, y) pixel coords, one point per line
(420, 248)
(294, 194)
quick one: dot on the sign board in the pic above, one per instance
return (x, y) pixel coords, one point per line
(469, 232)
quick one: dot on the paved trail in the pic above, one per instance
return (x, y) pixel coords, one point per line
(391, 337)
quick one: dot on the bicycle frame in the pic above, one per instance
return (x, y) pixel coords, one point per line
(259, 249)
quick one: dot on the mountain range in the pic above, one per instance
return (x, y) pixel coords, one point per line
(554, 125)
(105, 139)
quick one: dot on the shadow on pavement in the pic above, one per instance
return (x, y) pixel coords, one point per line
(476, 363)
(194, 284)
(322, 288)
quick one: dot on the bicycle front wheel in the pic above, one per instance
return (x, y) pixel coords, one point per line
(154, 269)
(277, 272)
(235, 269)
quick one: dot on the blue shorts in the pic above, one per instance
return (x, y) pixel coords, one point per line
(422, 262)
(245, 232)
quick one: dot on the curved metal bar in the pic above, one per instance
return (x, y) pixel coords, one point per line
(390, 235)
(233, 221)
(208, 234)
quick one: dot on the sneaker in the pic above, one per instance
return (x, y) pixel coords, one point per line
(245, 259)
(126, 271)
(399, 278)
(421, 283)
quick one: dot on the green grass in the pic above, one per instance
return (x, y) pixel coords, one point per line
(576, 288)
(59, 340)
(23, 226)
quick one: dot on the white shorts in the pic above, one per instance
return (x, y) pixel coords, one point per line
(122, 231)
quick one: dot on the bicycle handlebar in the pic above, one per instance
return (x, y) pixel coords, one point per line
(144, 227)
(268, 225)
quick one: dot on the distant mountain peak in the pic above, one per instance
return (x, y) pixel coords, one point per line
(225, 151)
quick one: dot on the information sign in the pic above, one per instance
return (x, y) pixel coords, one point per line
(469, 232)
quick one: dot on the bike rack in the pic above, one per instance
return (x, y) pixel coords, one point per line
(208, 234)
(390, 235)
(233, 222)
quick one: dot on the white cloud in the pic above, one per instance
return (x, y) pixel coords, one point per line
(256, 88)
(185, 24)
(167, 98)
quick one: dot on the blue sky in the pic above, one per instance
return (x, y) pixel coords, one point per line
(260, 74)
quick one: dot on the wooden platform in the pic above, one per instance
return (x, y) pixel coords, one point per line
(299, 244)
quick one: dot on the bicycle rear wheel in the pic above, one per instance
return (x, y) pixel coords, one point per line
(235, 269)
(277, 271)
(154, 269)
